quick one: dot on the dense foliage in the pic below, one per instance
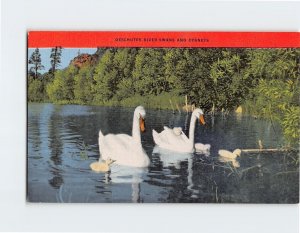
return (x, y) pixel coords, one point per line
(276, 92)
(264, 81)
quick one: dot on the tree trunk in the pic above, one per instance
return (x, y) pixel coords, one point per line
(54, 60)
(36, 70)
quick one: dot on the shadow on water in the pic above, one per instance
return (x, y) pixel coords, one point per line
(63, 141)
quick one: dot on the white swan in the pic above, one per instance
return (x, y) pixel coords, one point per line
(124, 149)
(169, 140)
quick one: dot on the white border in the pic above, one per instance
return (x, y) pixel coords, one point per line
(19, 16)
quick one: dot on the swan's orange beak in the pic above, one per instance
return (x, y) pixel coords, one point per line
(201, 120)
(142, 124)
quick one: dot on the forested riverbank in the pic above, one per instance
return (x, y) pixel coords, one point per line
(265, 82)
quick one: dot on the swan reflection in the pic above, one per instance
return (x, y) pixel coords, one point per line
(231, 161)
(123, 174)
(170, 158)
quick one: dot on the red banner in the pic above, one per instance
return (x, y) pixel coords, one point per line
(166, 39)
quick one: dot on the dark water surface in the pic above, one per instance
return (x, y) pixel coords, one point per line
(63, 141)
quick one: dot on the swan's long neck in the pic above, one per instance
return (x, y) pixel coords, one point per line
(192, 129)
(136, 133)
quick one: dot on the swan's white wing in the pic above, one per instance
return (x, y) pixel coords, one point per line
(156, 137)
(168, 132)
(112, 145)
(124, 150)
(168, 140)
(184, 137)
(167, 128)
(162, 137)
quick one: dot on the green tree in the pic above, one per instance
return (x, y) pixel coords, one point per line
(36, 62)
(276, 95)
(113, 74)
(188, 72)
(37, 87)
(176, 68)
(105, 77)
(83, 85)
(124, 61)
(55, 58)
(230, 85)
(35, 90)
(62, 87)
(273, 63)
(148, 74)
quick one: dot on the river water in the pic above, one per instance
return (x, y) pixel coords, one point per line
(63, 141)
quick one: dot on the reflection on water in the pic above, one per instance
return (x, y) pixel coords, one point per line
(59, 136)
(169, 158)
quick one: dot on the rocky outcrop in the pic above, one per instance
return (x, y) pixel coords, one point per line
(84, 59)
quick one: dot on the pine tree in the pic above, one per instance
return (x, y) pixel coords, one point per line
(55, 58)
(36, 61)
(105, 77)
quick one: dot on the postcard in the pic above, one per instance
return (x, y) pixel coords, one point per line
(163, 117)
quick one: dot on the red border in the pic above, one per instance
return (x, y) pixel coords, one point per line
(93, 39)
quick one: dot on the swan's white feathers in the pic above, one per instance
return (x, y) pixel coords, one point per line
(124, 149)
(116, 143)
(139, 110)
(156, 137)
(167, 128)
(170, 141)
(176, 140)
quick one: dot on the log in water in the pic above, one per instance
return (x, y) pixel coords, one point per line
(264, 150)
